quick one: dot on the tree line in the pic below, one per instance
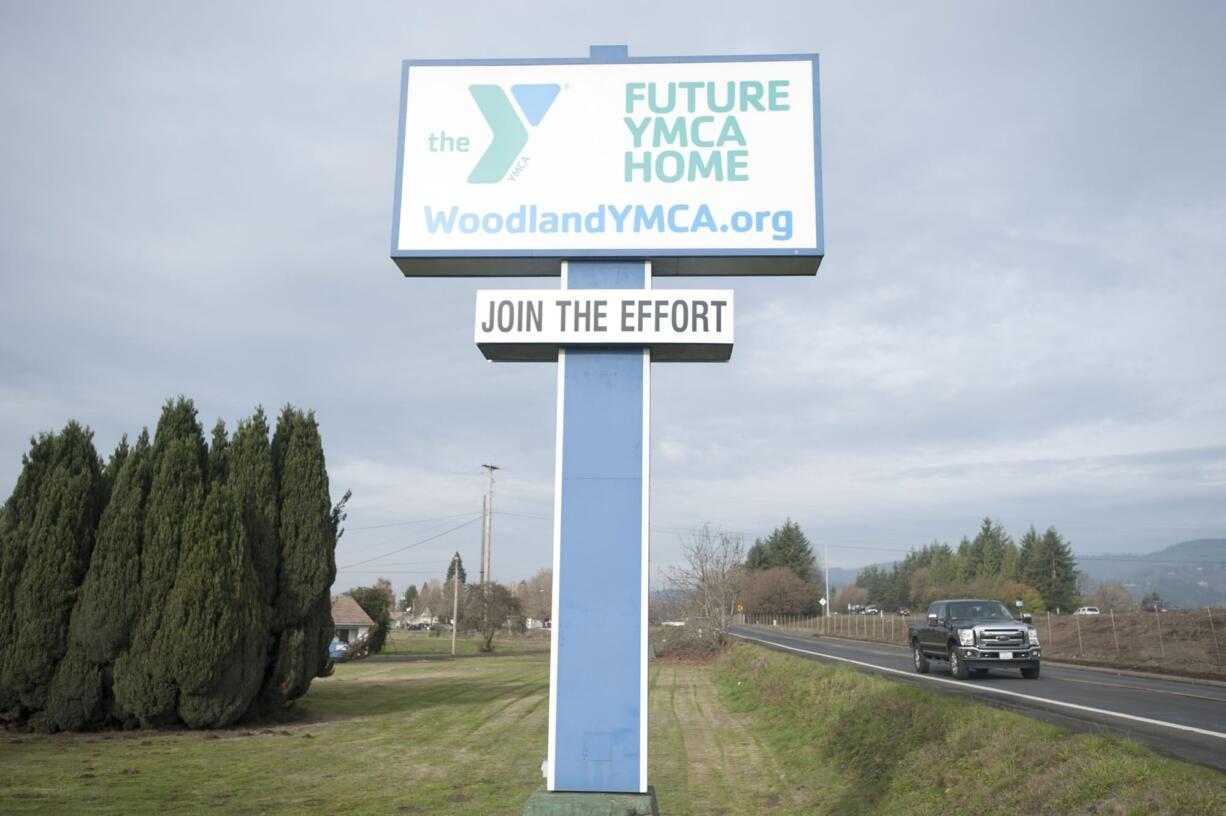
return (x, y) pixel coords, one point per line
(780, 574)
(1040, 571)
(180, 582)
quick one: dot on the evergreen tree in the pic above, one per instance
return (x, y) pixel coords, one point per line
(757, 558)
(17, 520)
(1009, 562)
(1059, 572)
(1026, 555)
(61, 540)
(213, 631)
(255, 489)
(410, 598)
(968, 560)
(788, 547)
(219, 455)
(110, 473)
(144, 685)
(987, 551)
(309, 528)
(457, 562)
(102, 620)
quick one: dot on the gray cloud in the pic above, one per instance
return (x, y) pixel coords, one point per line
(1020, 314)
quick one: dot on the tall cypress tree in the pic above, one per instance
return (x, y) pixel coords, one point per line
(255, 490)
(144, 686)
(16, 525)
(219, 455)
(308, 531)
(102, 620)
(60, 542)
(212, 633)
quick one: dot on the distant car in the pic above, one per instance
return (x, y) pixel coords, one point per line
(1155, 608)
(1088, 610)
(903, 612)
(338, 649)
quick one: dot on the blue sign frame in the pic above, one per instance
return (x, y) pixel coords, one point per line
(665, 262)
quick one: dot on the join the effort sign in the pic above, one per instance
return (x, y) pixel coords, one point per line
(686, 325)
(703, 166)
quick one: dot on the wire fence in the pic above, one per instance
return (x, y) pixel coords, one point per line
(1182, 641)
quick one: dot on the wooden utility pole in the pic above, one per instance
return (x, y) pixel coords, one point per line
(487, 525)
(455, 601)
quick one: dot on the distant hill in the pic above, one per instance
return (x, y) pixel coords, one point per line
(1188, 574)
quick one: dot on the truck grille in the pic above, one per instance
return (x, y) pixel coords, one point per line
(1001, 638)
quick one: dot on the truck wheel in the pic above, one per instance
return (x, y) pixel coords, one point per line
(956, 665)
(1031, 674)
(921, 661)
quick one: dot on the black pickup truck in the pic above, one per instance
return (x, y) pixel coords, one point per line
(975, 636)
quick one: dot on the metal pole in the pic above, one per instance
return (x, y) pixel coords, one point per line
(1114, 636)
(485, 520)
(455, 601)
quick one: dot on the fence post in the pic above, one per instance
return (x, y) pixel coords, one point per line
(1114, 636)
(1213, 634)
(1157, 619)
(1080, 649)
(1051, 639)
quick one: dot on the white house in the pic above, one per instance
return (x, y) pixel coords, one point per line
(352, 623)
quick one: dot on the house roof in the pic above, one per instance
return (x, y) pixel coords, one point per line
(346, 612)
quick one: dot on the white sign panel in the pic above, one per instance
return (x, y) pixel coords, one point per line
(678, 325)
(702, 165)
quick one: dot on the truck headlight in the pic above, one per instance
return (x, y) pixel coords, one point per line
(1033, 636)
(966, 637)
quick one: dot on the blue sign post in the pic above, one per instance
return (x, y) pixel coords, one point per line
(598, 659)
(612, 170)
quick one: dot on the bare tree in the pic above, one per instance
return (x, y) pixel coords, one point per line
(711, 577)
(536, 595)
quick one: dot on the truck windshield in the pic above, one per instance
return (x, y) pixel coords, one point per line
(979, 610)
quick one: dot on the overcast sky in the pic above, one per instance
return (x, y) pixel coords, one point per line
(1020, 313)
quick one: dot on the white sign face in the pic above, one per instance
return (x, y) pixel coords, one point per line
(711, 163)
(678, 325)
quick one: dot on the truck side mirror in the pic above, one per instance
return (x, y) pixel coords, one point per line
(932, 619)
(1027, 617)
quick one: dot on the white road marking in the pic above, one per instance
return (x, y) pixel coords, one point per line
(991, 690)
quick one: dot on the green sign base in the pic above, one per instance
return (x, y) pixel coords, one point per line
(572, 803)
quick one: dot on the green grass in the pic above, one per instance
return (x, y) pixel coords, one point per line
(413, 731)
(886, 748)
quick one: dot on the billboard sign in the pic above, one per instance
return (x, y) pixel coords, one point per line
(702, 165)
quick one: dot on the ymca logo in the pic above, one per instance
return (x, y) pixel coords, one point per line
(510, 135)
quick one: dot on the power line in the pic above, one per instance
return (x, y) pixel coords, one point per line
(849, 544)
(407, 523)
(410, 546)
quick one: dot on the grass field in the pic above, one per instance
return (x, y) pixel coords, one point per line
(415, 731)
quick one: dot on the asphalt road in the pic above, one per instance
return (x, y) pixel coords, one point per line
(1180, 718)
